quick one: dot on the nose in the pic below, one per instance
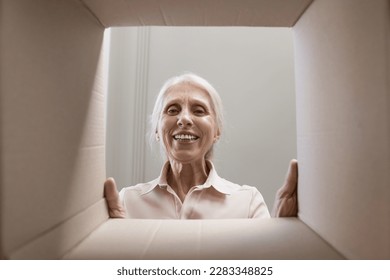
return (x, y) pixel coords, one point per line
(184, 119)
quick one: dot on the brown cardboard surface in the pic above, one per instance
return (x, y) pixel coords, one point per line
(198, 13)
(2, 38)
(343, 124)
(203, 239)
(52, 113)
(56, 242)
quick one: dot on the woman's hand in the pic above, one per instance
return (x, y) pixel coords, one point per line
(115, 207)
(286, 201)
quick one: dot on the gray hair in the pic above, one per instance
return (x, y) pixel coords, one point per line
(191, 79)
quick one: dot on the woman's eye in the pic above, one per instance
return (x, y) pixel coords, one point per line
(172, 111)
(199, 111)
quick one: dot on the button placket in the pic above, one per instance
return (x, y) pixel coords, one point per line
(187, 206)
(177, 202)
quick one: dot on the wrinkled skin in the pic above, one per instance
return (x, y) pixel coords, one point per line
(115, 208)
(286, 198)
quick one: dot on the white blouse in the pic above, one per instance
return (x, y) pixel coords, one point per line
(217, 198)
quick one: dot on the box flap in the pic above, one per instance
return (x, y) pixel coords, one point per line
(278, 13)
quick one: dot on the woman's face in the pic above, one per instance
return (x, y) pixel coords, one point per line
(187, 125)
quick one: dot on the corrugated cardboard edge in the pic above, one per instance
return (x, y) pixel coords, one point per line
(57, 241)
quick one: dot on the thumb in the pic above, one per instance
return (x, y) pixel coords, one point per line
(291, 182)
(115, 207)
(286, 200)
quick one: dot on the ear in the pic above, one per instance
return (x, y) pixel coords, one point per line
(157, 136)
(217, 135)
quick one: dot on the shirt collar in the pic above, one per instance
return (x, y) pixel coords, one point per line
(213, 180)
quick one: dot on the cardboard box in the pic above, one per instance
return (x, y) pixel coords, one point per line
(52, 131)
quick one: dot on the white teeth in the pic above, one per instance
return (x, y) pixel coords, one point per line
(185, 137)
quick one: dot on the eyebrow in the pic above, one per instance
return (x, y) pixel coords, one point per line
(196, 101)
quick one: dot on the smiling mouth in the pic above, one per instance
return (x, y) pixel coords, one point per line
(185, 137)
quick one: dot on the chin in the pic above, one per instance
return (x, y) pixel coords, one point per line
(184, 158)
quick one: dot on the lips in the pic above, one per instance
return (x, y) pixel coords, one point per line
(185, 137)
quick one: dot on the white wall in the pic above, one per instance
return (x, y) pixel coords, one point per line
(252, 69)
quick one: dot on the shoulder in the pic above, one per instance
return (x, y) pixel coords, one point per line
(247, 196)
(139, 189)
(224, 185)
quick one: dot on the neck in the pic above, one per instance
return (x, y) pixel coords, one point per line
(182, 177)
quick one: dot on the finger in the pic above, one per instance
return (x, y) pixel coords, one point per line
(286, 207)
(286, 204)
(111, 194)
(291, 181)
(110, 191)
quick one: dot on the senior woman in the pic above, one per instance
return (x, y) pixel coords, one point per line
(187, 122)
